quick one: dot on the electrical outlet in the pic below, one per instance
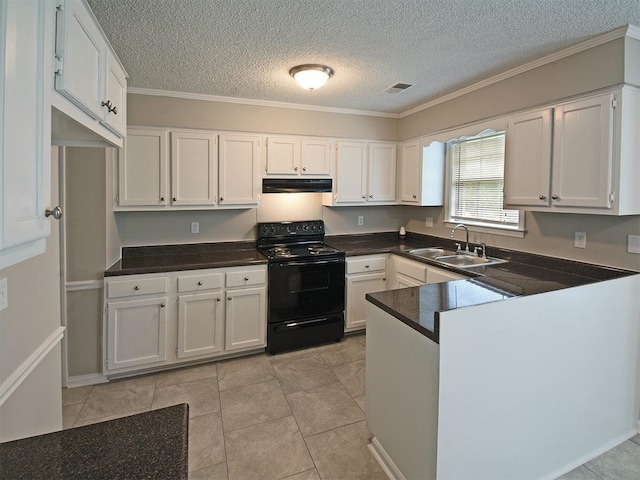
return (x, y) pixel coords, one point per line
(195, 227)
(360, 220)
(633, 243)
(4, 294)
(580, 240)
(428, 222)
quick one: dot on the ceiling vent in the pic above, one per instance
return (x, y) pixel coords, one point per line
(398, 88)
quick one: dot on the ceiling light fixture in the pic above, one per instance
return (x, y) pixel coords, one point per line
(311, 76)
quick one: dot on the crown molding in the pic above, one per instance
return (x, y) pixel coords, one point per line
(620, 32)
(631, 31)
(257, 103)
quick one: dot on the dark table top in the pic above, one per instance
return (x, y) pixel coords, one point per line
(151, 445)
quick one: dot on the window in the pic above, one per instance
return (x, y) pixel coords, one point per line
(476, 180)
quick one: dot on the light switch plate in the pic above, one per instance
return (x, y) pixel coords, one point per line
(633, 243)
(195, 227)
(4, 294)
(580, 240)
(428, 222)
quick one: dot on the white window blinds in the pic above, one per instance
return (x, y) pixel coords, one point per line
(477, 179)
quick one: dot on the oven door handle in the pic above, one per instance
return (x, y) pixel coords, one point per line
(308, 322)
(310, 262)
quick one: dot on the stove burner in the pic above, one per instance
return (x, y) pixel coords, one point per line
(281, 252)
(320, 249)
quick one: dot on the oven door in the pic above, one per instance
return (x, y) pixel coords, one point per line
(305, 289)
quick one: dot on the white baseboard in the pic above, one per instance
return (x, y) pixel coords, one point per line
(384, 460)
(83, 380)
(19, 375)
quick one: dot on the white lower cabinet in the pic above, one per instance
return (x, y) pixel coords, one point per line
(405, 272)
(365, 274)
(136, 332)
(158, 320)
(245, 318)
(439, 275)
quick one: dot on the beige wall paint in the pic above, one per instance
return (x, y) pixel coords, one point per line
(157, 111)
(549, 234)
(592, 69)
(84, 332)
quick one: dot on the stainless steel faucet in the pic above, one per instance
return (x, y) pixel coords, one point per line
(462, 225)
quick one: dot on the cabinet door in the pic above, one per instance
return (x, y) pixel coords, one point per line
(246, 318)
(382, 172)
(142, 168)
(81, 50)
(136, 332)
(527, 164)
(115, 117)
(239, 160)
(193, 168)
(439, 275)
(283, 156)
(200, 324)
(583, 153)
(351, 175)
(410, 172)
(25, 135)
(402, 281)
(315, 157)
(357, 287)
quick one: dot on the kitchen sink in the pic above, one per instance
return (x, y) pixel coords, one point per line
(462, 261)
(431, 252)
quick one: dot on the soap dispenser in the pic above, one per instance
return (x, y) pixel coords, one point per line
(402, 234)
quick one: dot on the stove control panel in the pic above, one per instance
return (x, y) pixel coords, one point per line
(291, 229)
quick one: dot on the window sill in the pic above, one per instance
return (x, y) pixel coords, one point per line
(483, 228)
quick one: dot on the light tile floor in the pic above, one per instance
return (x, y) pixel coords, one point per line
(293, 416)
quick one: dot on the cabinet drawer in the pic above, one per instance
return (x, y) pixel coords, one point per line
(192, 283)
(366, 264)
(246, 277)
(136, 287)
(411, 269)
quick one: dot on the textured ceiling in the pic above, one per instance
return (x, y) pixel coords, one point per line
(245, 48)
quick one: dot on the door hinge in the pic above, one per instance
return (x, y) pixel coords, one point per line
(612, 197)
(106, 310)
(614, 102)
(176, 352)
(118, 199)
(106, 364)
(58, 65)
(60, 5)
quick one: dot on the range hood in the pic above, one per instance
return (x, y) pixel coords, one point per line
(296, 185)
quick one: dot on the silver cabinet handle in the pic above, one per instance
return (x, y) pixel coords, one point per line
(542, 197)
(295, 169)
(366, 266)
(384, 279)
(162, 199)
(174, 199)
(555, 197)
(246, 279)
(162, 305)
(364, 196)
(200, 283)
(218, 299)
(221, 199)
(55, 213)
(415, 196)
(229, 298)
(304, 169)
(137, 287)
(370, 196)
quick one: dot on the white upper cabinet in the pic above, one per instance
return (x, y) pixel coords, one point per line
(589, 165)
(382, 172)
(296, 156)
(315, 157)
(142, 169)
(351, 172)
(26, 30)
(115, 116)
(240, 160)
(193, 168)
(583, 153)
(365, 173)
(527, 169)
(421, 173)
(88, 74)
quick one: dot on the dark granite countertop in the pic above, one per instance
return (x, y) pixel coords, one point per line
(145, 446)
(522, 274)
(168, 258)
